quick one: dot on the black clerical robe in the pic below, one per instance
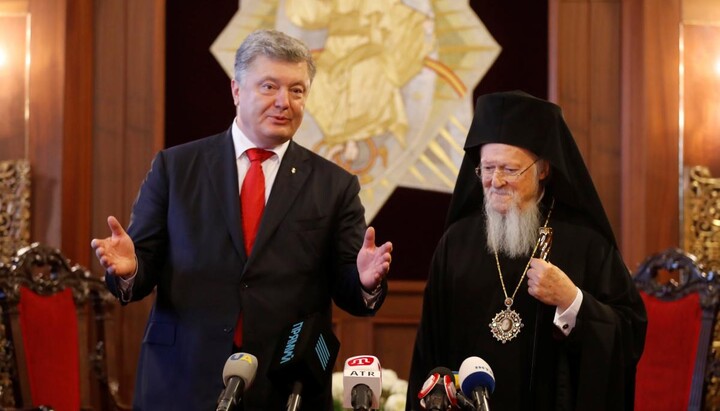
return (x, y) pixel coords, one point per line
(591, 369)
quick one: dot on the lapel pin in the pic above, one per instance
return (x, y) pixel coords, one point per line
(293, 170)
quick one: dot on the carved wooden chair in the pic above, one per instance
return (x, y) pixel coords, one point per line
(52, 348)
(701, 237)
(681, 299)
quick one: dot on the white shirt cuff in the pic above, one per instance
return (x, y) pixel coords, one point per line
(125, 284)
(371, 298)
(565, 321)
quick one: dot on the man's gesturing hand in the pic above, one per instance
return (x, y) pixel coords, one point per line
(117, 252)
(373, 262)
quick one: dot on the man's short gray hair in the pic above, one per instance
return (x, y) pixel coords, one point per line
(275, 45)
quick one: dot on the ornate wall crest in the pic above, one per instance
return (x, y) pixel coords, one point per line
(392, 98)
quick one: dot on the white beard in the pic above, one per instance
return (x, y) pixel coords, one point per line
(515, 233)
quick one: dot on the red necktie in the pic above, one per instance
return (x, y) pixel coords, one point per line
(252, 201)
(252, 195)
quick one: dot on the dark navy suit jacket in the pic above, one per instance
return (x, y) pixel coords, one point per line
(186, 226)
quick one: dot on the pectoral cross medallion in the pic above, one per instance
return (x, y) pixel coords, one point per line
(506, 324)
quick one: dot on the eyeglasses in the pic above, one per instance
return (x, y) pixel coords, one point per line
(507, 174)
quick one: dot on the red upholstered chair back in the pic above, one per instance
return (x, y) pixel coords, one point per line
(52, 333)
(681, 301)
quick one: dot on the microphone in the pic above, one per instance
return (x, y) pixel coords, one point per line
(438, 392)
(362, 383)
(238, 375)
(304, 358)
(477, 381)
(463, 402)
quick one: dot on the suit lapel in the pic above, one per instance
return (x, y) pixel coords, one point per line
(292, 174)
(222, 170)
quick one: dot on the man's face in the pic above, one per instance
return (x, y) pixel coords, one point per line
(501, 189)
(270, 100)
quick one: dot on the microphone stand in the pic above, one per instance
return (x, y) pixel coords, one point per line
(294, 400)
(480, 397)
(230, 396)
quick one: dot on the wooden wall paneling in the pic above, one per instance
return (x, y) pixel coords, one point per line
(129, 90)
(572, 61)
(395, 339)
(701, 95)
(390, 335)
(642, 79)
(108, 167)
(14, 41)
(144, 136)
(77, 133)
(604, 114)
(47, 85)
(633, 131)
(145, 87)
(661, 83)
(585, 82)
(355, 335)
(650, 129)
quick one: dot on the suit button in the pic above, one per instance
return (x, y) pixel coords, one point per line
(227, 329)
(244, 286)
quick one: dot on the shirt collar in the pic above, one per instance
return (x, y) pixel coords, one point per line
(242, 143)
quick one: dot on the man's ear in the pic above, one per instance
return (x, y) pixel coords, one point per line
(544, 169)
(235, 90)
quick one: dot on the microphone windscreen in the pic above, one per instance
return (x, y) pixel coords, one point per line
(475, 372)
(440, 381)
(362, 369)
(241, 365)
(306, 353)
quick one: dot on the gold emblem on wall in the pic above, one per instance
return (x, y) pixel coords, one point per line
(392, 98)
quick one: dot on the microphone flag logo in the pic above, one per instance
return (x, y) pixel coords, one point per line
(360, 361)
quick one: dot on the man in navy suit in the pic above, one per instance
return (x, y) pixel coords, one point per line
(185, 240)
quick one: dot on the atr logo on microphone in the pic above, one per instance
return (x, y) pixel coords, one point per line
(360, 361)
(363, 373)
(289, 351)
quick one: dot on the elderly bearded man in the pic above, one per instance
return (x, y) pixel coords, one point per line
(561, 333)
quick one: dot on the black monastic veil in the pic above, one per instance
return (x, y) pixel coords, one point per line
(591, 369)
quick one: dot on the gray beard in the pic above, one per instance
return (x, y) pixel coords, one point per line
(515, 233)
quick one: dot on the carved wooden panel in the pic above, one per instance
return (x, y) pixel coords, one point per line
(702, 216)
(14, 207)
(701, 237)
